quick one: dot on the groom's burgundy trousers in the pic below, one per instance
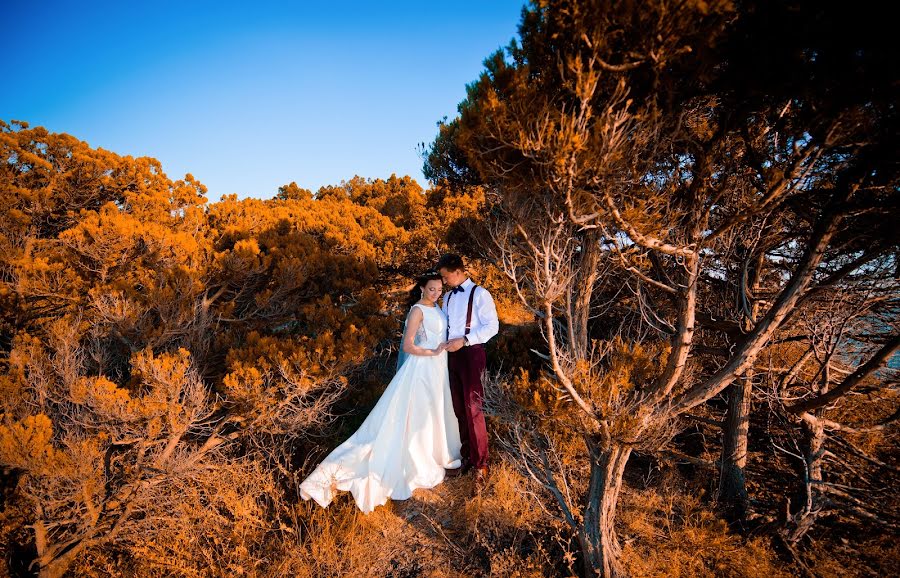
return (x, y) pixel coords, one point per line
(466, 366)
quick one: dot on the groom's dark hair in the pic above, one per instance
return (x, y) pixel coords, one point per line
(451, 262)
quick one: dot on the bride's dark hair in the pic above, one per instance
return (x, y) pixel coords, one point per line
(421, 281)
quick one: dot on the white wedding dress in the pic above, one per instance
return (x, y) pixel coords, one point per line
(408, 439)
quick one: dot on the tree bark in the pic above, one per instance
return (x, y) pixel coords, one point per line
(599, 540)
(55, 565)
(732, 482)
(803, 520)
(747, 352)
(584, 290)
(683, 339)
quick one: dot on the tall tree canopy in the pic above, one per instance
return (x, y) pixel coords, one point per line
(734, 165)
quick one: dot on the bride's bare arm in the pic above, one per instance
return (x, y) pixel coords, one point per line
(412, 326)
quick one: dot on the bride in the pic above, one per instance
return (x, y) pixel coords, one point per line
(411, 436)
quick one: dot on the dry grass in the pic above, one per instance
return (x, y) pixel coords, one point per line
(441, 532)
(509, 528)
(670, 533)
(874, 557)
(667, 530)
(341, 541)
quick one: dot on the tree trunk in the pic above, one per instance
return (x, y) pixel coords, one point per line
(600, 543)
(57, 566)
(802, 521)
(732, 485)
(732, 482)
(584, 290)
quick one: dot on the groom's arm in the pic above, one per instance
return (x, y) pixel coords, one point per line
(487, 315)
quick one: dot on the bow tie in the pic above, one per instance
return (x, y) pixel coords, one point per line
(457, 289)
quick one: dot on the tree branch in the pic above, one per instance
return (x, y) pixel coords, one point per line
(876, 362)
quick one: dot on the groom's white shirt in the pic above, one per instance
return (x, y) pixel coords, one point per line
(484, 314)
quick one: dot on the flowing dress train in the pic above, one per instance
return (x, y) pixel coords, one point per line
(408, 439)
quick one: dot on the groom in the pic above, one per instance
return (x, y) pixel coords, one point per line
(471, 322)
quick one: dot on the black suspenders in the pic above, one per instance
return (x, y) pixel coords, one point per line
(468, 311)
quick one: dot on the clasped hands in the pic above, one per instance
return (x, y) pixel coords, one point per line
(452, 345)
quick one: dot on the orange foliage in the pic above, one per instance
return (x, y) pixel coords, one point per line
(151, 336)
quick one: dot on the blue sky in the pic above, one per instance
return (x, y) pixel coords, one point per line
(250, 96)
